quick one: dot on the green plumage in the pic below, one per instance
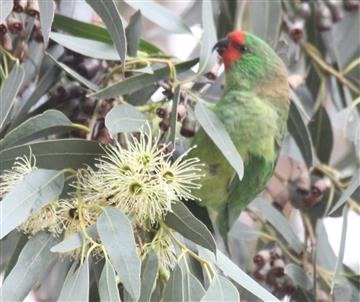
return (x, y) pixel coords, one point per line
(254, 110)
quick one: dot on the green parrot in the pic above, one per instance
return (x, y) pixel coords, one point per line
(254, 110)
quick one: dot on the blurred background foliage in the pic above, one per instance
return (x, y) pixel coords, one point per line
(64, 90)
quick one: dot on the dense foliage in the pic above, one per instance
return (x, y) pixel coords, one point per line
(95, 124)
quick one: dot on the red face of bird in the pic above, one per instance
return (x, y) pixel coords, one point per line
(232, 48)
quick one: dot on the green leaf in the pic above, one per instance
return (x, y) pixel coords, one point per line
(174, 114)
(221, 289)
(185, 223)
(9, 90)
(231, 270)
(22, 240)
(124, 118)
(355, 183)
(76, 285)
(279, 222)
(42, 125)
(33, 263)
(5, 9)
(340, 258)
(193, 289)
(47, 10)
(298, 276)
(55, 154)
(74, 241)
(322, 135)
(141, 96)
(87, 47)
(160, 16)
(133, 33)
(215, 129)
(109, 14)
(300, 133)
(173, 290)
(42, 87)
(74, 74)
(35, 190)
(149, 271)
(135, 83)
(266, 19)
(207, 55)
(108, 290)
(116, 234)
(94, 32)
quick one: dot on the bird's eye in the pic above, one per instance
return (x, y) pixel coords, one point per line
(243, 48)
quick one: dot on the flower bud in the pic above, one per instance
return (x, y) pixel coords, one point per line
(188, 126)
(6, 42)
(261, 258)
(3, 29)
(323, 16)
(351, 5)
(14, 25)
(89, 67)
(165, 124)
(19, 5)
(88, 105)
(260, 274)
(181, 112)
(304, 10)
(275, 253)
(161, 112)
(296, 29)
(32, 8)
(103, 136)
(336, 12)
(277, 269)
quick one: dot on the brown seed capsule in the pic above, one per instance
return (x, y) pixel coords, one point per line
(188, 126)
(165, 124)
(32, 8)
(161, 112)
(296, 29)
(3, 29)
(21, 51)
(103, 136)
(305, 10)
(277, 268)
(275, 253)
(14, 25)
(351, 5)
(336, 12)
(19, 5)
(260, 274)
(181, 112)
(88, 105)
(261, 258)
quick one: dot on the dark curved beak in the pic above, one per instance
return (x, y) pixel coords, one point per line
(221, 45)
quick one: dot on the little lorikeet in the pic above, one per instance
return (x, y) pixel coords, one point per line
(254, 110)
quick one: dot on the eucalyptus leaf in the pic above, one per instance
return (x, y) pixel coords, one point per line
(173, 290)
(74, 241)
(160, 15)
(55, 154)
(193, 289)
(298, 276)
(86, 47)
(137, 82)
(215, 129)
(42, 125)
(149, 271)
(47, 10)
(76, 285)
(221, 289)
(116, 234)
(76, 76)
(133, 33)
(109, 14)
(279, 222)
(37, 189)
(185, 223)
(322, 135)
(207, 55)
(300, 133)
(231, 270)
(124, 118)
(6, 7)
(108, 290)
(142, 96)
(8, 91)
(33, 263)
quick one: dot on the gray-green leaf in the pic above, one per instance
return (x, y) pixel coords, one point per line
(108, 290)
(215, 129)
(133, 33)
(116, 234)
(149, 271)
(193, 289)
(173, 290)
(108, 12)
(185, 223)
(35, 190)
(47, 10)
(221, 289)
(297, 274)
(76, 285)
(124, 118)
(6, 7)
(33, 263)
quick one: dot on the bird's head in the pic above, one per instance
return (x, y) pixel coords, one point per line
(248, 55)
